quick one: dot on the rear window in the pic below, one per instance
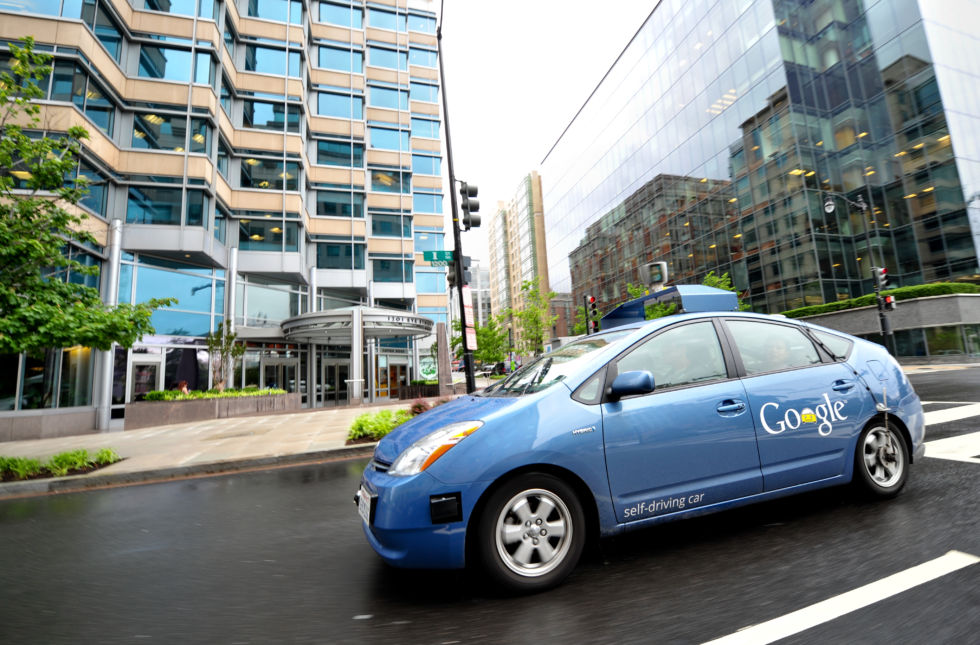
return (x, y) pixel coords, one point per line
(764, 347)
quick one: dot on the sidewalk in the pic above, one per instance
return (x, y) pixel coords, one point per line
(219, 445)
(199, 447)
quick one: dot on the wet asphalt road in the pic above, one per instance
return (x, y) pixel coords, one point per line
(279, 556)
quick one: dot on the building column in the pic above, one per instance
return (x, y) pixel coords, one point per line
(103, 392)
(312, 375)
(355, 385)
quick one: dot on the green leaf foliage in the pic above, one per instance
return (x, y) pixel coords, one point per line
(13, 468)
(901, 293)
(39, 219)
(375, 425)
(176, 395)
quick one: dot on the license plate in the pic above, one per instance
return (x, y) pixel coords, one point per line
(364, 505)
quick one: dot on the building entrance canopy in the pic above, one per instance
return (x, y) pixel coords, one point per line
(335, 326)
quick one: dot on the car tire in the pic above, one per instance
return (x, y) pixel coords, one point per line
(531, 533)
(881, 460)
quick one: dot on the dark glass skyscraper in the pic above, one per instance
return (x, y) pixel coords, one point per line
(717, 137)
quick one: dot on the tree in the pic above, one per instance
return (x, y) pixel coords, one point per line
(40, 306)
(224, 352)
(533, 321)
(491, 342)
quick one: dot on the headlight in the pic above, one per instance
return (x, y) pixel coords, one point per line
(421, 454)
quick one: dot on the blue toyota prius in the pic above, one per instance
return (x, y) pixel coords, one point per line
(645, 423)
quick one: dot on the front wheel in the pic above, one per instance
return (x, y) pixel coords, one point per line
(531, 533)
(881, 461)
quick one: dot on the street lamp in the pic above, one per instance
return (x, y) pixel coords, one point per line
(883, 304)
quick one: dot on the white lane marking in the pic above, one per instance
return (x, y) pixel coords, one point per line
(845, 603)
(965, 447)
(952, 414)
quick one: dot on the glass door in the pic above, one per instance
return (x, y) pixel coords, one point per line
(334, 381)
(144, 377)
(279, 373)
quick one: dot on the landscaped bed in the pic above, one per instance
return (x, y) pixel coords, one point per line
(75, 462)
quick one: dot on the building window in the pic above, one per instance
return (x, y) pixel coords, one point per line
(425, 128)
(340, 256)
(268, 235)
(340, 153)
(269, 174)
(342, 60)
(390, 58)
(164, 206)
(387, 19)
(386, 97)
(423, 57)
(278, 10)
(392, 270)
(429, 241)
(388, 139)
(391, 181)
(424, 92)
(391, 225)
(424, 24)
(270, 116)
(344, 106)
(426, 203)
(430, 282)
(267, 60)
(152, 131)
(426, 165)
(339, 204)
(342, 15)
(165, 62)
(71, 83)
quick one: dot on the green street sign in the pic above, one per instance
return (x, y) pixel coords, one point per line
(438, 258)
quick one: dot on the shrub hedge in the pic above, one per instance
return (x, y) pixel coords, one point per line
(901, 293)
(175, 395)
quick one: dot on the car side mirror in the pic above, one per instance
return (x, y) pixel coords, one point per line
(630, 383)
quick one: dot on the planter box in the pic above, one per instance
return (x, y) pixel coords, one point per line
(145, 414)
(418, 392)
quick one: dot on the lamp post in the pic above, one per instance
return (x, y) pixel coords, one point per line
(886, 329)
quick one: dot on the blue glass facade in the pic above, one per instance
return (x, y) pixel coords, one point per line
(715, 140)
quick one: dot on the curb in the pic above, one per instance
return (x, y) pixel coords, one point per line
(56, 485)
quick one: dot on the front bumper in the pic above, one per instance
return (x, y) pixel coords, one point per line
(402, 530)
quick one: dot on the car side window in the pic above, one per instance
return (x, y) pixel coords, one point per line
(679, 356)
(768, 348)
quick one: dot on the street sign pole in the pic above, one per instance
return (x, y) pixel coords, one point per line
(457, 263)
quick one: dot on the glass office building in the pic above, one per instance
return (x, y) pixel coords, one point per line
(717, 137)
(260, 161)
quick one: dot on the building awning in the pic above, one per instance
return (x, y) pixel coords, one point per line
(334, 326)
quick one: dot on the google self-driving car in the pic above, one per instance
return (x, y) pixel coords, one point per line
(622, 429)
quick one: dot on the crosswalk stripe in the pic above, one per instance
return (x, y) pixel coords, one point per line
(965, 447)
(952, 414)
(832, 608)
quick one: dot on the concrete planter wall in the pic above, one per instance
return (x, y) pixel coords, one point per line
(144, 414)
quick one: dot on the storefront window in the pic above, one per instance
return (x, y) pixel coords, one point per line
(76, 377)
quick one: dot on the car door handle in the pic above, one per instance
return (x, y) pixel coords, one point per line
(843, 386)
(731, 406)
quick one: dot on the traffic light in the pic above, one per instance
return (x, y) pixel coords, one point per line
(451, 277)
(593, 306)
(470, 205)
(467, 276)
(591, 313)
(890, 303)
(881, 278)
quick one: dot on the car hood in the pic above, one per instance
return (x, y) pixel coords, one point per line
(467, 408)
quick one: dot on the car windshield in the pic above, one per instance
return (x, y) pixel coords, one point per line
(546, 370)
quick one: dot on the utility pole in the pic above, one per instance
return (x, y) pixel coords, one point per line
(457, 265)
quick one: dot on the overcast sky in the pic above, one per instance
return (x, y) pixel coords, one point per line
(517, 71)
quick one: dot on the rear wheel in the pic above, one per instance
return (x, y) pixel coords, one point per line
(531, 533)
(881, 461)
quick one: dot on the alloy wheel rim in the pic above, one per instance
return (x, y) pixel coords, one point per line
(883, 457)
(533, 532)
